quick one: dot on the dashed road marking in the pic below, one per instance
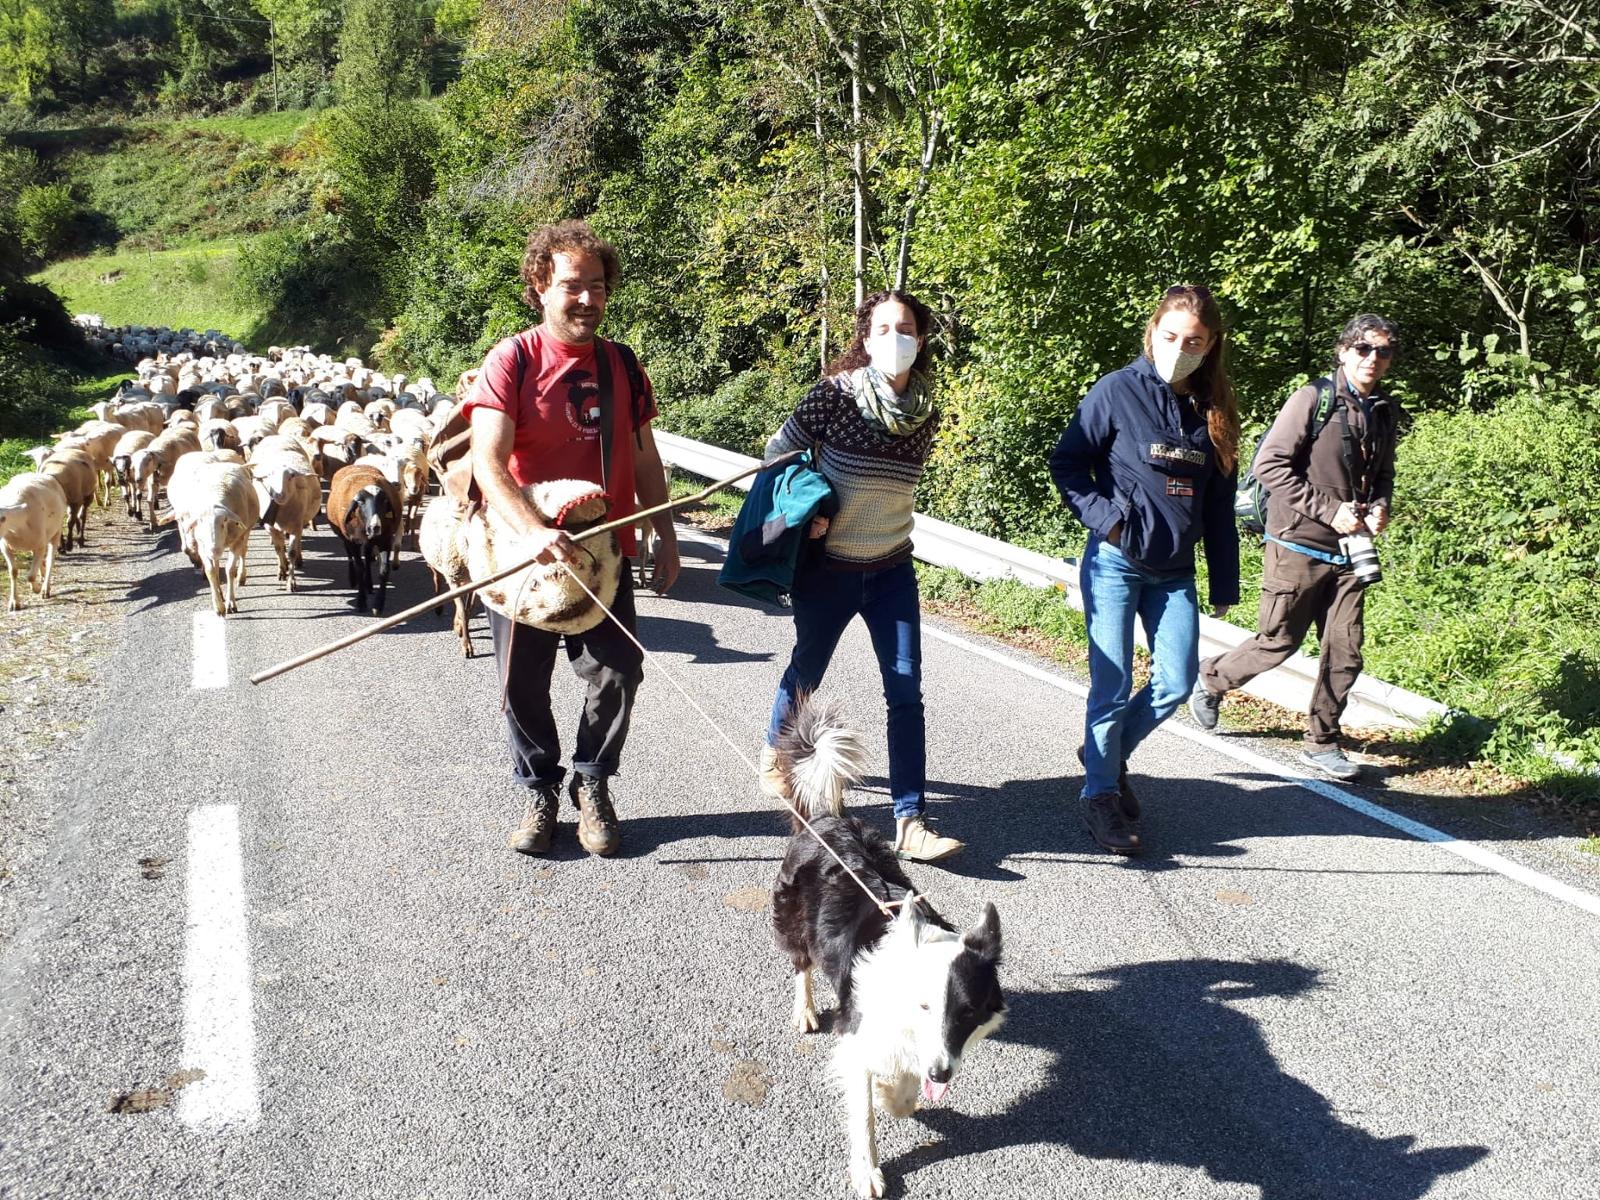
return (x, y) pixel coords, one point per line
(210, 651)
(218, 1025)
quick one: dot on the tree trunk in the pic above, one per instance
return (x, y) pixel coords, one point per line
(822, 224)
(858, 165)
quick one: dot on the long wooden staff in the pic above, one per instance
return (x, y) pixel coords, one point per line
(783, 460)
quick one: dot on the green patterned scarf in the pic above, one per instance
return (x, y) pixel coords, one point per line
(883, 409)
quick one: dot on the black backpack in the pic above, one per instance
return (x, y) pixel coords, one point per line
(1250, 502)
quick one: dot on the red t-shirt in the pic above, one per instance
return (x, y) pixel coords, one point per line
(557, 414)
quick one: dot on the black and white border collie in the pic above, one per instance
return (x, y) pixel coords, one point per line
(914, 995)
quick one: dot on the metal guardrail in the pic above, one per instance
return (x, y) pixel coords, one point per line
(1373, 703)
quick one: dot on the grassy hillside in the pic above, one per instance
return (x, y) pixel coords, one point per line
(190, 182)
(191, 287)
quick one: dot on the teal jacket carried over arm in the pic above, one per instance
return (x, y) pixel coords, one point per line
(770, 533)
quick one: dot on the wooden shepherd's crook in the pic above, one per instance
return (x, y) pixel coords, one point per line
(783, 460)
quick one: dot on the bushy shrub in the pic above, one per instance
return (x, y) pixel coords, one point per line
(49, 222)
(27, 388)
(314, 284)
(1488, 601)
(740, 415)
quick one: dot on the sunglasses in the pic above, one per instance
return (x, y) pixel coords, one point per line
(1179, 289)
(1363, 349)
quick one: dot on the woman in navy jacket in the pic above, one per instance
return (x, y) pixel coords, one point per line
(1149, 465)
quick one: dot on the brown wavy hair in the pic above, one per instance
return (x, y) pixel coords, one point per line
(855, 354)
(564, 237)
(1211, 377)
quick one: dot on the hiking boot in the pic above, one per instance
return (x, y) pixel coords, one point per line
(539, 822)
(916, 840)
(1330, 760)
(1125, 796)
(774, 775)
(597, 820)
(1109, 826)
(1204, 707)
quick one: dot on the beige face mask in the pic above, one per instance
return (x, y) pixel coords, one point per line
(1174, 364)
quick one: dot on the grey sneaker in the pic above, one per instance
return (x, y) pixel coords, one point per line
(597, 820)
(1204, 707)
(539, 822)
(1331, 762)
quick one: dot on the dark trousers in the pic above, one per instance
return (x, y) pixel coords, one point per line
(1297, 591)
(825, 602)
(612, 666)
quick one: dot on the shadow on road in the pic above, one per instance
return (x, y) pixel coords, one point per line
(1159, 1067)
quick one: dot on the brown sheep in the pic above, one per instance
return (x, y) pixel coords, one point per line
(364, 510)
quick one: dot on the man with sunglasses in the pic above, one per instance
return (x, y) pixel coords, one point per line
(1328, 466)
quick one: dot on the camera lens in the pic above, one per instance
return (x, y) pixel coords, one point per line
(1363, 556)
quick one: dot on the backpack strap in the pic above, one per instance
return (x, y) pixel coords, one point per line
(602, 374)
(636, 389)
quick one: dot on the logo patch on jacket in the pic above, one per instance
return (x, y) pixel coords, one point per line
(1160, 450)
(1179, 487)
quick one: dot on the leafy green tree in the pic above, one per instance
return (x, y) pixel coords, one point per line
(380, 53)
(25, 40)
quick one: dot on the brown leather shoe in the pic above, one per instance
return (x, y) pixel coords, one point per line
(774, 775)
(597, 820)
(1108, 826)
(539, 822)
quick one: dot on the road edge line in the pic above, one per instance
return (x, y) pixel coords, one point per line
(1470, 851)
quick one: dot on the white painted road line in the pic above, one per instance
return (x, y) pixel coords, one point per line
(210, 651)
(218, 1028)
(1470, 851)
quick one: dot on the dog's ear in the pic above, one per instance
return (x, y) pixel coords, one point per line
(984, 938)
(910, 918)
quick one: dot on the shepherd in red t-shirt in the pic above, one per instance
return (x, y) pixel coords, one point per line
(535, 416)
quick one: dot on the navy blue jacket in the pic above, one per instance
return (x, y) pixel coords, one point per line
(771, 531)
(1139, 453)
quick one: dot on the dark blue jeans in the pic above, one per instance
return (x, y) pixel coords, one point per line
(825, 602)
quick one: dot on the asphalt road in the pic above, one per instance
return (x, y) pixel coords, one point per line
(1282, 999)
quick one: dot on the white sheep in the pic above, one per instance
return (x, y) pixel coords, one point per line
(216, 507)
(32, 508)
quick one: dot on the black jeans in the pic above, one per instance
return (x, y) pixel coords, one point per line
(603, 658)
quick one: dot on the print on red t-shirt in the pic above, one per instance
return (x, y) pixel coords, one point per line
(556, 414)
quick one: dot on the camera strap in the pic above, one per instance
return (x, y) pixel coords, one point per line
(1337, 560)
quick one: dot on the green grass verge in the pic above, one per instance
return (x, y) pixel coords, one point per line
(191, 287)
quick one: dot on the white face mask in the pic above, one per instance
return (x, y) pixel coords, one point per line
(1173, 363)
(891, 353)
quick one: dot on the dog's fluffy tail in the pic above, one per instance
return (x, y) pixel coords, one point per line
(821, 755)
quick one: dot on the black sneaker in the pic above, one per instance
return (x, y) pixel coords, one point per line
(1204, 707)
(1130, 802)
(539, 822)
(1108, 826)
(597, 820)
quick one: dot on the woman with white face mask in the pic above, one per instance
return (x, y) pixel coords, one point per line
(869, 425)
(1149, 465)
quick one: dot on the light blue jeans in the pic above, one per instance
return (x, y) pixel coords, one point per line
(1114, 592)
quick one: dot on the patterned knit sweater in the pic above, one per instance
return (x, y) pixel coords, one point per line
(873, 474)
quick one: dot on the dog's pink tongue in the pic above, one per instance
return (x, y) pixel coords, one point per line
(933, 1092)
